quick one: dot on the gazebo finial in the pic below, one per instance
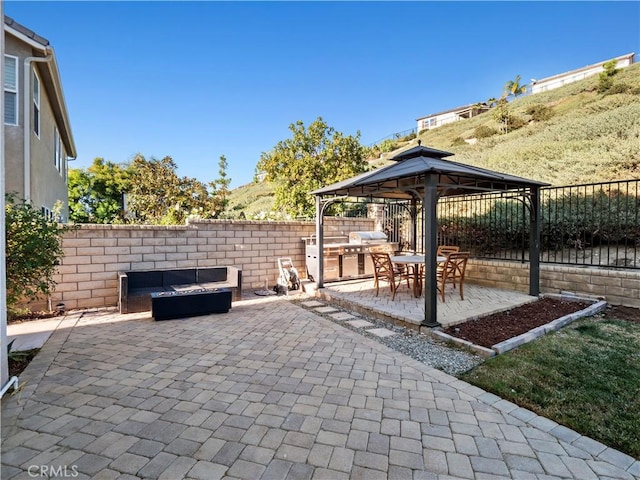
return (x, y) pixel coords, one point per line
(419, 142)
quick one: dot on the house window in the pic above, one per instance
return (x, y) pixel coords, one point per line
(36, 104)
(10, 90)
(57, 150)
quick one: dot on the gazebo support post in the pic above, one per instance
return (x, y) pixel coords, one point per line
(414, 220)
(430, 229)
(320, 240)
(534, 242)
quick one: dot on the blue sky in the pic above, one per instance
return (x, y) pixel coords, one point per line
(196, 80)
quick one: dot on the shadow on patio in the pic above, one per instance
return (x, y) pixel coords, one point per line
(406, 310)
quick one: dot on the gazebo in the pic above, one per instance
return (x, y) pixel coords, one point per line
(421, 174)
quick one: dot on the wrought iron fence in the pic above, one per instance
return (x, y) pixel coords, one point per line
(594, 224)
(396, 136)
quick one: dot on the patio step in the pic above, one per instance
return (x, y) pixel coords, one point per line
(309, 287)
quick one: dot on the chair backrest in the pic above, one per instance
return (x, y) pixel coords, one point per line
(455, 266)
(382, 266)
(444, 250)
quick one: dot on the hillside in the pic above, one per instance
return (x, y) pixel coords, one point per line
(570, 135)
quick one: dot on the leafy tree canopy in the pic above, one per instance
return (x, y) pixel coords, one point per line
(95, 194)
(154, 193)
(514, 88)
(312, 158)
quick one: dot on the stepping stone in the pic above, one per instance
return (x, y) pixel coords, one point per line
(342, 316)
(360, 323)
(312, 303)
(325, 310)
(381, 332)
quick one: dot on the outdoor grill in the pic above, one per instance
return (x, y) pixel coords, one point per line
(346, 256)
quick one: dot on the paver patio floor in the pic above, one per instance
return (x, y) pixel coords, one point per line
(268, 391)
(478, 301)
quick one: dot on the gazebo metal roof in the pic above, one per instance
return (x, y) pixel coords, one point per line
(405, 178)
(423, 173)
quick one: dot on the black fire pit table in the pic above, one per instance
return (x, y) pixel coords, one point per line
(189, 303)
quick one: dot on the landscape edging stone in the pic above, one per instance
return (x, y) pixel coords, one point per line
(537, 332)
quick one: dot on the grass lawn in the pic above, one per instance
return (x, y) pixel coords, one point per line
(585, 377)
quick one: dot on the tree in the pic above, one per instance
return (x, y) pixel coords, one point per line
(220, 188)
(313, 157)
(501, 111)
(33, 251)
(513, 87)
(605, 78)
(95, 194)
(158, 196)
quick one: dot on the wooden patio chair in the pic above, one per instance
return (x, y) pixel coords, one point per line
(452, 271)
(444, 250)
(384, 270)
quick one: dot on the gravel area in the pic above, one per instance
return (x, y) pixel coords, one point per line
(427, 350)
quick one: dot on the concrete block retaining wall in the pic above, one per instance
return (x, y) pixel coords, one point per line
(617, 287)
(93, 254)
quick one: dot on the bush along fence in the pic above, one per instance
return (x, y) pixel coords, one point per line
(591, 225)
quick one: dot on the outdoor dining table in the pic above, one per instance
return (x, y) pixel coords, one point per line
(416, 261)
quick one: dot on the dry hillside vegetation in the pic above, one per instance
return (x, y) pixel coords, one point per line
(583, 137)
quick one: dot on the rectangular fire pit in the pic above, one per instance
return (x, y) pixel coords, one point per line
(189, 303)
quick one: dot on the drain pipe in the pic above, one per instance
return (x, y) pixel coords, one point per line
(27, 191)
(4, 354)
(12, 381)
(27, 118)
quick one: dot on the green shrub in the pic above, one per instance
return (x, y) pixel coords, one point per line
(484, 131)
(33, 251)
(458, 141)
(514, 122)
(409, 137)
(387, 146)
(605, 78)
(570, 220)
(539, 112)
(617, 88)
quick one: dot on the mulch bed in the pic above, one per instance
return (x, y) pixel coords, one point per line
(492, 329)
(19, 362)
(29, 316)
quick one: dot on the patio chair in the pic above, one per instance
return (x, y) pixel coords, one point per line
(452, 272)
(384, 270)
(444, 250)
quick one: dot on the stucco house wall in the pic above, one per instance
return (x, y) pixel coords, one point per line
(455, 114)
(47, 183)
(556, 81)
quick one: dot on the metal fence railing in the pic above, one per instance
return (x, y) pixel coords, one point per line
(396, 136)
(592, 224)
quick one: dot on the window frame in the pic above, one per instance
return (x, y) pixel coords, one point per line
(57, 150)
(35, 89)
(14, 90)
